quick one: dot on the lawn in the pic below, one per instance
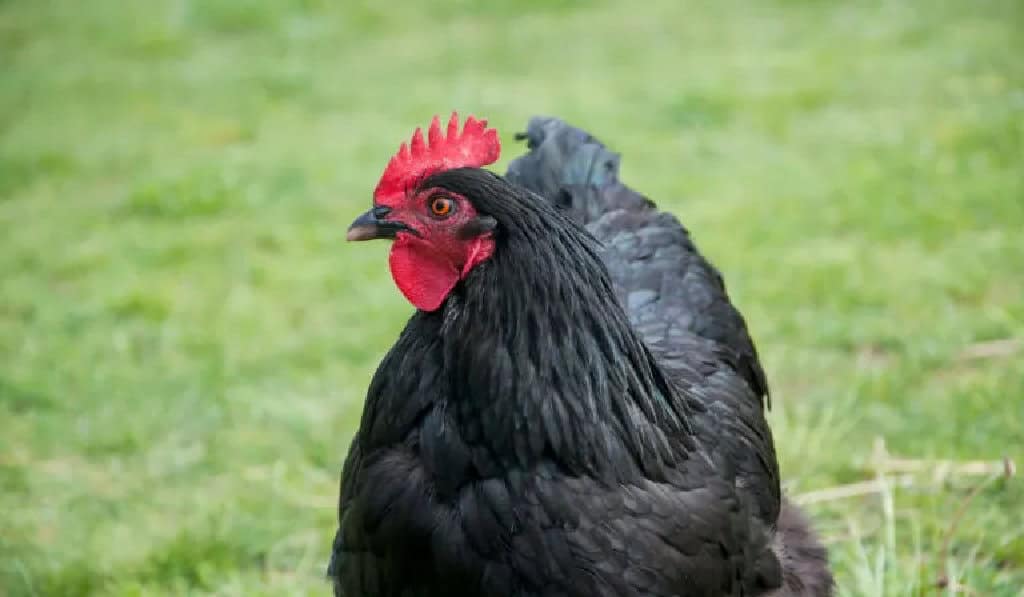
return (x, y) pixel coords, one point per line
(185, 337)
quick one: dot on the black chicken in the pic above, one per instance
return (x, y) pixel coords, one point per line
(575, 409)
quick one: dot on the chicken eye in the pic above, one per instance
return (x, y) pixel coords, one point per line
(441, 207)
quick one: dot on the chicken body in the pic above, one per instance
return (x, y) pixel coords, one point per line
(582, 417)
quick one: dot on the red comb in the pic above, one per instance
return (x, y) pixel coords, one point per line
(475, 146)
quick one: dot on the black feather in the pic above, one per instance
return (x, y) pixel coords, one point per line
(658, 272)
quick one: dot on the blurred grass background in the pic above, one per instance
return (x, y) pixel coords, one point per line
(185, 338)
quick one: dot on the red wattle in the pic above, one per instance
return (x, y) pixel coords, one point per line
(423, 275)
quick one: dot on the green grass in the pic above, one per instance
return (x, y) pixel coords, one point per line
(185, 338)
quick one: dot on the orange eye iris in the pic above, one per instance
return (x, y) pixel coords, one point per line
(441, 206)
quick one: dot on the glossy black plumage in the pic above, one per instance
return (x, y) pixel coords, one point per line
(666, 285)
(582, 416)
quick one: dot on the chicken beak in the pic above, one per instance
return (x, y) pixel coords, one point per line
(365, 227)
(371, 225)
